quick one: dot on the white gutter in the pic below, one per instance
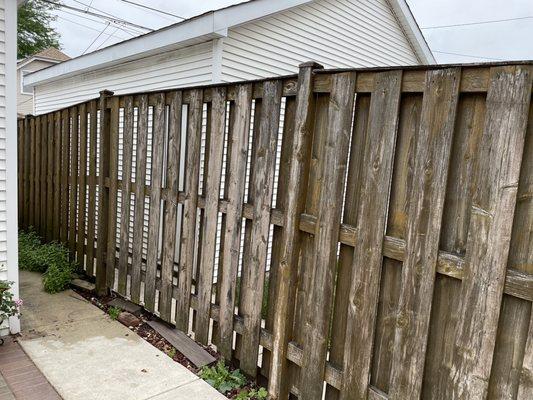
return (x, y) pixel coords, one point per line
(208, 26)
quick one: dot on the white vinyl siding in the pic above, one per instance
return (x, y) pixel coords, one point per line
(190, 66)
(335, 33)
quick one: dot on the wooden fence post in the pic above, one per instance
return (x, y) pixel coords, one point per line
(27, 171)
(103, 194)
(295, 203)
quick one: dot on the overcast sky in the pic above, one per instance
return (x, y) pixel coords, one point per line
(510, 40)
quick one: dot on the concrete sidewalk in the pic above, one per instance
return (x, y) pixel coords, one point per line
(86, 355)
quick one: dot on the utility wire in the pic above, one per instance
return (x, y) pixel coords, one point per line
(478, 23)
(467, 55)
(112, 15)
(96, 22)
(153, 9)
(107, 18)
(105, 41)
(90, 27)
(95, 39)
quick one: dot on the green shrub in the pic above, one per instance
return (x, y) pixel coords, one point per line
(51, 259)
(221, 378)
(57, 277)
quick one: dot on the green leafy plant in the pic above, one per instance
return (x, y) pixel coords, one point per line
(254, 394)
(57, 278)
(9, 306)
(222, 379)
(51, 259)
(114, 312)
(171, 353)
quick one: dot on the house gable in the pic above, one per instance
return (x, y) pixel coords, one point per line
(335, 33)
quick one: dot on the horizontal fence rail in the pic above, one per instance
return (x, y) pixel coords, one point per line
(343, 233)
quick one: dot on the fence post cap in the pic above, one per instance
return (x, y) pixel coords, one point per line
(106, 93)
(28, 116)
(311, 64)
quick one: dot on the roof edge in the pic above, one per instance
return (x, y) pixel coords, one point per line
(205, 27)
(408, 22)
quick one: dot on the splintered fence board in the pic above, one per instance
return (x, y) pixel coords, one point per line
(356, 233)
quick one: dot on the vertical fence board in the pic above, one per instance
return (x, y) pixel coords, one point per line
(371, 224)
(65, 153)
(489, 234)
(235, 180)
(111, 216)
(171, 206)
(49, 179)
(42, 178)
(82, 188)
(423, 229)
(155, 203)
(91, 184)
(262, 188)
(102, 286)
(20, 166)
(319, 299)
(188, 242)
(37, 176)
(57, 176)
(140, 179)
(28, 171)
(211, 190)
(73, 181)
(126, 197)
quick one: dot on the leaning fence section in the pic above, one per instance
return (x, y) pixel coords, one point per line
(347, 234)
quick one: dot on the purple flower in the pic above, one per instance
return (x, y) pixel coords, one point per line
(19, 302)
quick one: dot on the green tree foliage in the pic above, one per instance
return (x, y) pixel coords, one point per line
(34, 30)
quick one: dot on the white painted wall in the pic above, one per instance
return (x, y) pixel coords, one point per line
(335, 33)
(8, 149)
(190, 66)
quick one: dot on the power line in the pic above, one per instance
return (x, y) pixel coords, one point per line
(478, 23)
(105, 41)
(111, 15)
(468, 55)
(89, 27)
(107, 18)
(95, 21)
(152, 9)
(95, 39)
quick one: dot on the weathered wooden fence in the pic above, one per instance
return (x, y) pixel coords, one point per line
(388, 213)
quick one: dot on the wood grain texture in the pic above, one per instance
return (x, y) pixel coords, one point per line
(82, 188)
(73, 181)
(423, 231)
(140, 180)
(262, 187)
(65, 152)
(91, 187)
(366, 267)
(102, 286)
(322, 272)
(278, 386)
(235, 185)
(49, 207)
(489, 234)
(171, 206)
(127, 145)
(152, 256)
(188, 237)
(56, 177)
(212, 190)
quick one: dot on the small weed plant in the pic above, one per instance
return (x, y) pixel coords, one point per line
(50, 259)
(114, 312)
(222, 379)
(226, 381)
(254, 394)
(171, 353)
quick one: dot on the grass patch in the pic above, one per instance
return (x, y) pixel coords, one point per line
(50, 259)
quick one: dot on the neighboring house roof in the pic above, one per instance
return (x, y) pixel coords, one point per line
(50, 54)
(204, 27)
